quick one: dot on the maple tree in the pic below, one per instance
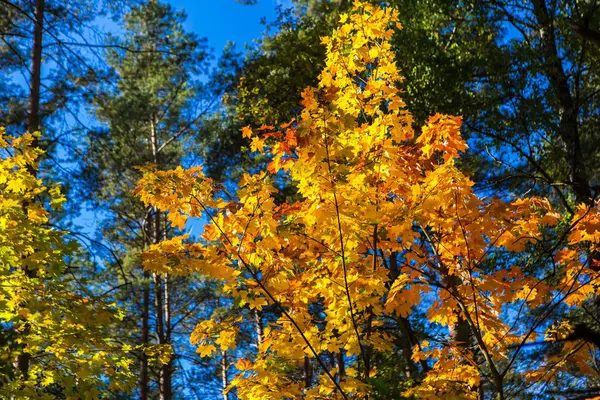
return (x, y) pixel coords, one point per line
(45, 311)
(386, 226)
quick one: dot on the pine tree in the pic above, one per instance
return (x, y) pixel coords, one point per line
(149, 108)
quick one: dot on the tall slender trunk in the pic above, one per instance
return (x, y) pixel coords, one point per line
(143, 382)
(224, 374)
(161, 303)
(160, 332)
(33, 124)
(144, 376)
(259, 328)
(33, 107)
(167, 369)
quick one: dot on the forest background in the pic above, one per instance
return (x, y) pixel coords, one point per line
(112, 86)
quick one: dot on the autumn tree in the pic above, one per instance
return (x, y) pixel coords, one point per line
(45, 311)
(386, 226)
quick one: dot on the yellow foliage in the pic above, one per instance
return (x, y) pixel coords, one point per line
(369, 193)
(62, 331)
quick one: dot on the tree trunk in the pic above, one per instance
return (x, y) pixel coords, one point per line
(224, 374)
(167, 369)
(33, 124)
(340, 364)
(460, 332)
(160, 333)
(145, 338)
(259, 328)
(307, 373)
(160, 302)
(33, 107)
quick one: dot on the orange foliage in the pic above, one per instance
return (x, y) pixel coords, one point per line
(370, 191)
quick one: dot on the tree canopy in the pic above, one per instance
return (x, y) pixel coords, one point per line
(376, 200)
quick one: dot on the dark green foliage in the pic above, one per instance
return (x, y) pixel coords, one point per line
(149, 107)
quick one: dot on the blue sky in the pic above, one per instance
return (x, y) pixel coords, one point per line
(222, 21)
